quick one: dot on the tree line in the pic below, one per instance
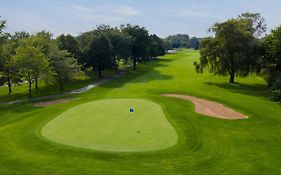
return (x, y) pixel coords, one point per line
(240, 47)
(29, 58)
(182, 41)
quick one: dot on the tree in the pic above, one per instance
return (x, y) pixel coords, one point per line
(167, 45)
(255, 23)
(140, 42)
(193, 43)
(272, 58)
(2, 41)
(69, 43)
(234, 50)
(121, 44)
(8, 67)
(64, 65)
(41, 41)
(19, 35)
(31, 63)
(2, 36)
(179, 40)
(156, 46)
(100, 54)
(2, 27)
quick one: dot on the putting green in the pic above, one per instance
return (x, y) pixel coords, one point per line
(108, 125)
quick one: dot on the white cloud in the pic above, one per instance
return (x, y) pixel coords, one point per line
(192, 13)
(104, 14)
(80, 8)
(126, 11)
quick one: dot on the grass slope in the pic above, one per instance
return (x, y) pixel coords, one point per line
(205, 146)
(108, 125)
(20, 92)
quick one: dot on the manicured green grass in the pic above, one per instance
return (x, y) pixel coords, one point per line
(108, 125)
(205, 145)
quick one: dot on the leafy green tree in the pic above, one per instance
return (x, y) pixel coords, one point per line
(234, 50)
(64, 66)
(272, 58)
(167, 45)
(179, 40)
(31, 63)
(20, 35)
(100, 54)
(2, 41)
(254, 23)
(45, 34)
(8, 68)
(140, 37)
(156, 46)
(2, 27)
(41, 41)
(122, 45)
(120, 41)
(193, 43)
(69, 43)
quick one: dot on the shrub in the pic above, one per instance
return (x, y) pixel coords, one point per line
(276, 84)
(276, 94)
(273, 80)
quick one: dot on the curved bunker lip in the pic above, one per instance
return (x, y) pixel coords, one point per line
(210, 108)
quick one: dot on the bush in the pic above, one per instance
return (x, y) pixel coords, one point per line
(273, 81)
(276, 84)
(276, 95)
(275, 87)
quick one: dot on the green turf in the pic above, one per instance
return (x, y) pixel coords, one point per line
(108, 125)
(205, 145)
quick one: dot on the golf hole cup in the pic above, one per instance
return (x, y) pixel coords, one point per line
(132, 110)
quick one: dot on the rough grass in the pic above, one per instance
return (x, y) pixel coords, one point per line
(20, 92)
(205, 146)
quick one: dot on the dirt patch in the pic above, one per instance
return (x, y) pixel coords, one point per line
(210, 108)
(53, 102)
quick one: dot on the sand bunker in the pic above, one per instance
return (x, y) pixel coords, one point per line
(210, 108)
(53, 102)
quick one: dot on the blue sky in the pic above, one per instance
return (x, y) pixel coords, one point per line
(162, 17)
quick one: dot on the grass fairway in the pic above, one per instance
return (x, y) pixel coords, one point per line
(108, 125)
(205, 145)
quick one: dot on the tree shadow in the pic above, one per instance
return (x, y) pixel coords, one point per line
(8, 113)
(164, 60)
(136, 76)
(247, 89)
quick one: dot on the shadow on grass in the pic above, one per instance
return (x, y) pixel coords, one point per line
(9, 113)
(247, 89)
(137, 76)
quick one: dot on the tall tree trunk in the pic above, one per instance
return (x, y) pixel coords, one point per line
(232, 77)
(135, 64)
(232, 71)
(29, 91)
(36, 83)
(61, 86)
(60, 81)
(100, 75)
(9, 85)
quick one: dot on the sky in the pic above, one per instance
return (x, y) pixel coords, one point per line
(161, 17)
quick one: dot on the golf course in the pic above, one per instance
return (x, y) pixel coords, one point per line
(97, 132)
